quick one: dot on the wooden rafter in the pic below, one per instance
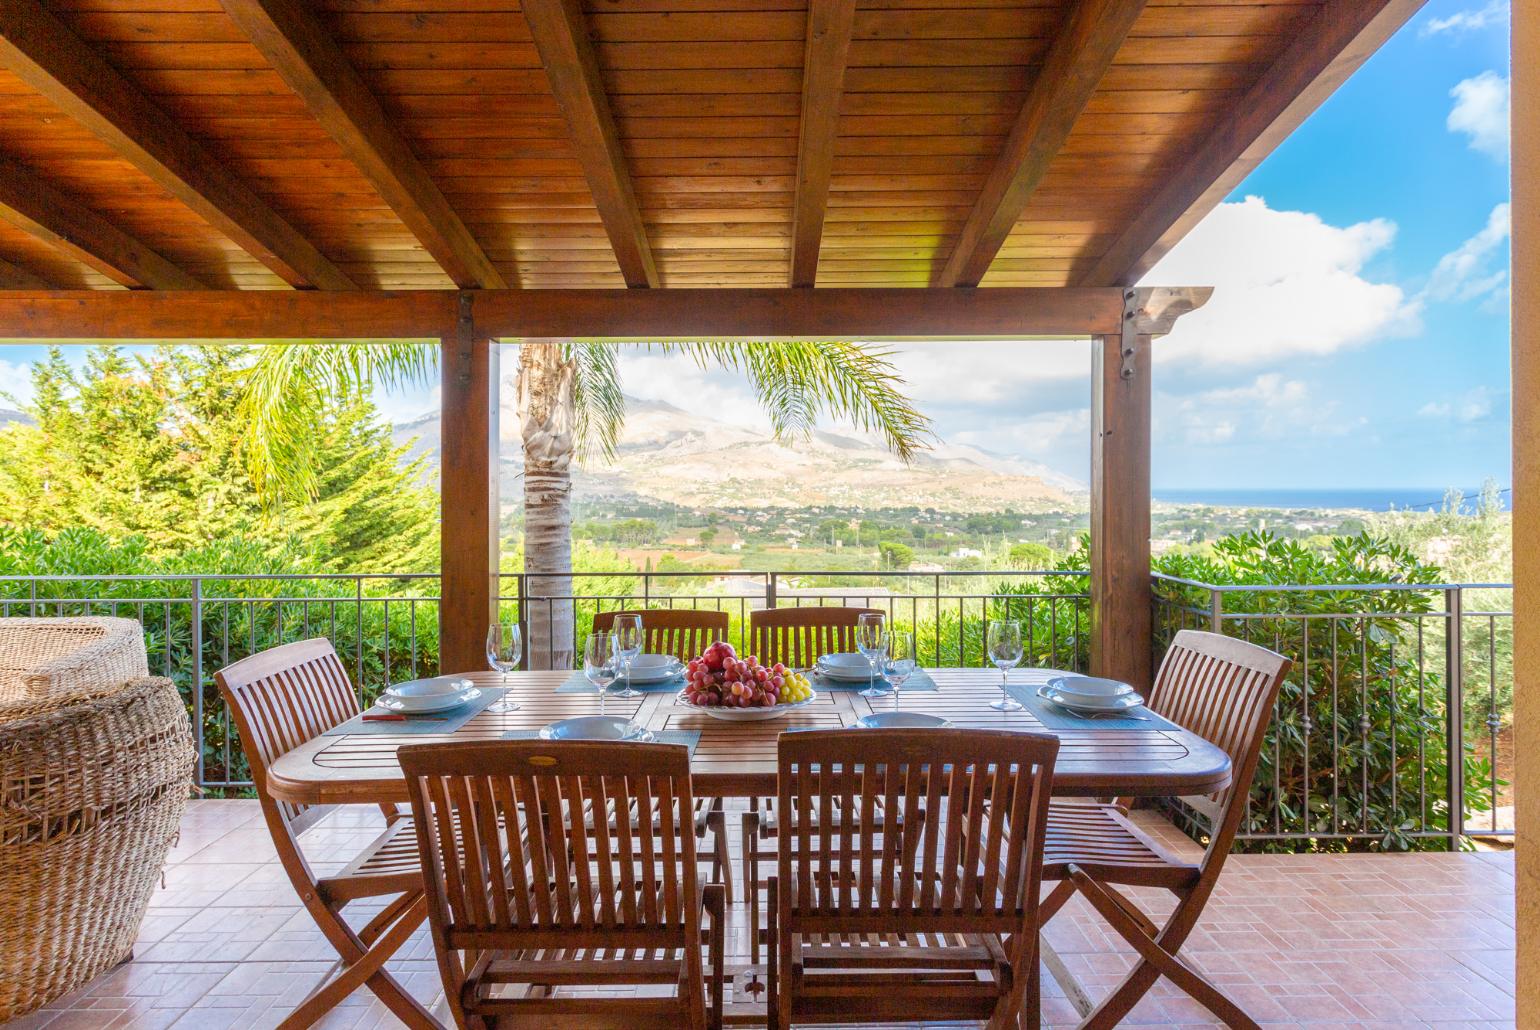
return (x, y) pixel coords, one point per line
(1328, 48)
(14, 277)
(302, 51)
(561, 35)
(1080, 55)
(829, 24)
(42, 51)
(64, 223)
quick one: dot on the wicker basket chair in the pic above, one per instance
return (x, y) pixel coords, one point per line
(91, 795)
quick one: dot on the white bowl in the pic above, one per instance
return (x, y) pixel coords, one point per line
(438, 694)
(596, 727)
(847, 665)
(1091, 689)
(901, 720)
(653, 668)
(775, 711)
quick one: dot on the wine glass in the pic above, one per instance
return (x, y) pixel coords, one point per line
(600, 663)
(627, 630)
(901, 662)
(505, 646)
(872, 642)
(1003, 642)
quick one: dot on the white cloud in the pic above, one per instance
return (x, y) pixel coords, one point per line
(1287, 284)
(1481, 112)
(1267, 407)
(1473, 405)
(675, 379)
(1465, 273)
(15, 383)
(1042, 435)
(988, 372)
(1495, 13)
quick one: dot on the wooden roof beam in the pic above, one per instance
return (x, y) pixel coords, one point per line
(42, 51)
(1080, 55)
(829, 24)
(1329, 48)
(15, 277)
(303, 52)
(64, 223)
(561, 35)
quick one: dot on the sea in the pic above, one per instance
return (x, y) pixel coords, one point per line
(1362, 499)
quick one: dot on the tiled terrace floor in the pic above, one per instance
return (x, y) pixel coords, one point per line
(1360, 941)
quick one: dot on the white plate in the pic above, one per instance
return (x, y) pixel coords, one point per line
(848, 665)
(1089, 689)
(595, 727)
(422, 704)
(1120, 704)
(775, 711)
(901, 720)
(653, 668)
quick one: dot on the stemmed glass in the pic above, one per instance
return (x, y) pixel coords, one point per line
(505, 646)
(600, 663)
(627, 630)
(1003, 642)
(872, 642)
(901, 661)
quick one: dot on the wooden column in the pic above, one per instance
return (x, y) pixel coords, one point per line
(468, 551)
(1120, 507)
(1526, 498)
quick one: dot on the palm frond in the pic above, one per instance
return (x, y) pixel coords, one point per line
(600, 400)
(797, 380)
(289, 379)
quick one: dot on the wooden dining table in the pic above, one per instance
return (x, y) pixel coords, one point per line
(737, 759)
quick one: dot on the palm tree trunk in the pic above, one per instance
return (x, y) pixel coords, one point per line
(547, 419)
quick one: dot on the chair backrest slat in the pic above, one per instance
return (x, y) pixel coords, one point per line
(799, 636)
(281, 698)
(532, 841)
(945, 799)
(681, 632)
(1224, 690)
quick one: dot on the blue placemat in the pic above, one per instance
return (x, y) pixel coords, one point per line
(689, 738)
(438, 722)
(918, 680)
(577, 683)
(1056, 718)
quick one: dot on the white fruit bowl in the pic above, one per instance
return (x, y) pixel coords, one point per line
(775, 711)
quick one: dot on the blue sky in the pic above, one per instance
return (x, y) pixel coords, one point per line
(1358, 336)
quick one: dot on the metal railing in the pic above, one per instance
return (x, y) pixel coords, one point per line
(1389, 680)
(1356, 753)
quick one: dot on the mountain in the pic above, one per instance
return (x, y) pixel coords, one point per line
(9, 415)
(669, 454)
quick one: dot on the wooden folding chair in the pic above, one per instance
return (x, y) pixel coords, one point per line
(937, 920)
(681, 632)
(685, 633)
(526, 893)
(281, 698)
(798, 637)
(1222, 689)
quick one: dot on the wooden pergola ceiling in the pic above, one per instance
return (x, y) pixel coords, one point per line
(434, 144)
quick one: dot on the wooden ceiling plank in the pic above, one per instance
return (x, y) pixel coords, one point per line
(302, 51)
(64, 223)
(42, 51)
(1077, 60)
(561, 35)
(829, 25)
(1325, 51)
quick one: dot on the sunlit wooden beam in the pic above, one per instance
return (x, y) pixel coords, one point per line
(829, 25)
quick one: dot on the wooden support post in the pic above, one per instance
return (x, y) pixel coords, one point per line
(1120, 504)
(1526, 500)
(468, 551)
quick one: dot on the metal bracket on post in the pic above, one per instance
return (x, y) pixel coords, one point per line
(465, 330)
(1129, 342)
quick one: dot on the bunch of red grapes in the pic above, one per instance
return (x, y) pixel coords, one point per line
(720, 678)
